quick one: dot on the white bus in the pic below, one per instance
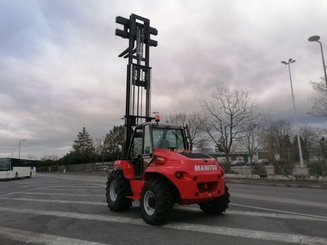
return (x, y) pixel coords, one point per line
(14, 168)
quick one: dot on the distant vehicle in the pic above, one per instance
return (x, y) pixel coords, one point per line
(238, 163)
(262, 161)
(249, 163)
(14, 168)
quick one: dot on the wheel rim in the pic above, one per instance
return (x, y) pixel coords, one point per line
(113, 190)
(149, 203)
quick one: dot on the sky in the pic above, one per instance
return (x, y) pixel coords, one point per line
(60, 71)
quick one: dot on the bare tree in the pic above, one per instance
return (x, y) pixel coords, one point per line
(191, 120)
(276, 138)
(319, 107)
(228, 113)
(251, 140)
(311, 137)
(202, 144)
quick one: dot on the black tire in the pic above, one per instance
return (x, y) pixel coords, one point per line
(117, 190)
(156, 202)
(216, 206)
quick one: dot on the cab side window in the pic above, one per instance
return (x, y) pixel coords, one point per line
(136, 148)
(147, 141)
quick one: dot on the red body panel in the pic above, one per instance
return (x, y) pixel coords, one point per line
(136, 186)
(127, 168)
(201, 179)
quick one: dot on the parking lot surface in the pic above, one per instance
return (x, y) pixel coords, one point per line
(71, 209)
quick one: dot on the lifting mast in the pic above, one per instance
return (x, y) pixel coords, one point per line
(138, 31)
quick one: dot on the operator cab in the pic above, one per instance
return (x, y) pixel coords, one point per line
(149, 136)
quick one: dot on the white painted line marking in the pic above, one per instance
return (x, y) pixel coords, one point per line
(101, 179)
(279, 211)
(252, 234)
(60, 194)
(280, 200)
(76, 186)
(288, 216)
(218, 230)
(73, 215)
(278, 216)
(285, 215)
(40, 238)
(30, 189)
(75, 191)
(54, 201)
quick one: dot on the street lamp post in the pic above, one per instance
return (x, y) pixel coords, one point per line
(316, 39)
(290, 61)
(19, 146)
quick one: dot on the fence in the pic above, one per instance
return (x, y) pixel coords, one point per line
(270, 170)
(99, 167)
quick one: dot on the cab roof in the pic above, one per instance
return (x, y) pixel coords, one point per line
(160, 125)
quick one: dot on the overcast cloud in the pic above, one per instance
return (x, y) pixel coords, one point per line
(59, 69)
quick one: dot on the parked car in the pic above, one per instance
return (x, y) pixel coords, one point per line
(262, 161)
(238, 163)
(249, 163)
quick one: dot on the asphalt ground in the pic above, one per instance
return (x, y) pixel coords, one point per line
(315, 184)
(71, 209)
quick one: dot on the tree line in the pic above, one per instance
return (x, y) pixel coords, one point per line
(233, 122)
(230, 120)
(85, 149)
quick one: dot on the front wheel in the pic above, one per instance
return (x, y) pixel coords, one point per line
(216, 206)
(156, 202)
(118, 188)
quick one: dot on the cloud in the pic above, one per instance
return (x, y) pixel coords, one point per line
(59, 69)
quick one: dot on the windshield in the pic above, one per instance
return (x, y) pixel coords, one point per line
(4, 164)
(167, 138)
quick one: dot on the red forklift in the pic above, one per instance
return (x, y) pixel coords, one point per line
(159, 168)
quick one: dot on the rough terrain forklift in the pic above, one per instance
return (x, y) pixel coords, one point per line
(159, 168)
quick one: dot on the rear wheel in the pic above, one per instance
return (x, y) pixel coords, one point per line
(118, 188)
(156, 202)
(216, 206)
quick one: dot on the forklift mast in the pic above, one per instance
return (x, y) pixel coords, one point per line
(138, 78)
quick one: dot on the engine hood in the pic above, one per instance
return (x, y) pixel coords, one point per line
(179, 155)
(183, 157)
